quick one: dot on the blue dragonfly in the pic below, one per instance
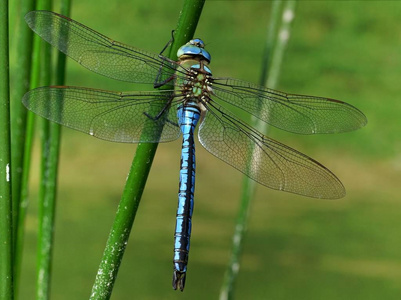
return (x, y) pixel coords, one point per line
(194, 96)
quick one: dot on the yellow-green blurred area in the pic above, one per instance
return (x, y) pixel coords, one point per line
(295, 247)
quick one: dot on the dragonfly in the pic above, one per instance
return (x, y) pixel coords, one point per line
(192, 95)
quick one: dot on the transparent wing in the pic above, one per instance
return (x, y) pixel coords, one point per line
(128, 117)
(294, 113)
(97, 52)
(265, 160)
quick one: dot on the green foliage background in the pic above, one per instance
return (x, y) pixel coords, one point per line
(296, 248)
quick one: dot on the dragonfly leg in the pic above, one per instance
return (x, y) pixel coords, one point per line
(168, 43)
(164, 109)
(157, 82)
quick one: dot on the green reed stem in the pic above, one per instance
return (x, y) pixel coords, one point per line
(138, 175)
(46, 188)
(274, 50)
(23, 52)
(21, 70)
(29, 135)
(6, 238)
(281, 44)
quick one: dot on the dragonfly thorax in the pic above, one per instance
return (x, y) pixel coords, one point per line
(197, 85)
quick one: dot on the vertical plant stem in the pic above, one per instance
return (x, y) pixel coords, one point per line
(6, 241)
(30, 123)
(65, 10)
(21, 69)
(281, 44)
(138, 174)
(23, 50)
(48, 178)
(269, 77)
(271, 35)
(48, 193)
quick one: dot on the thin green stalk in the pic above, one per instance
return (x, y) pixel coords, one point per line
(6, 241)
(29, 133)
(47, 189)
(23, 51)
(48, 192)
(21, 70)
(281, 44)
(271, 35)
(269, 77)
(138, 174)
(65, 10)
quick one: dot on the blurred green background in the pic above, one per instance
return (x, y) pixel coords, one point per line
(296, 247)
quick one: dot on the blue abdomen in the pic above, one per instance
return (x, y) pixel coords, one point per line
(188, 116)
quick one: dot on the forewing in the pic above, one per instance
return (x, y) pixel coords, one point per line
(265, 160)
(295, 113)
(97, 52)
(128, 117)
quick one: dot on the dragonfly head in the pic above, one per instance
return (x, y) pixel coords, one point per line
(194, 47)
